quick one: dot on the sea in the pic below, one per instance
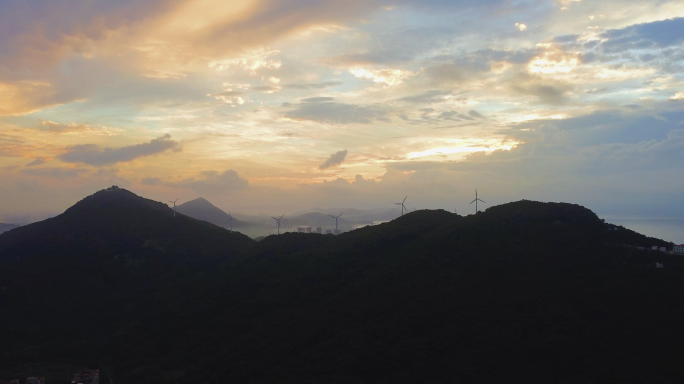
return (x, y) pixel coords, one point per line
(669, 229)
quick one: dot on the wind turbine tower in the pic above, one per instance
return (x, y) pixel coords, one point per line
(174, 206)
(336, 217)
(277, 219)
(403, 207)
(230, 221)
(476, 200)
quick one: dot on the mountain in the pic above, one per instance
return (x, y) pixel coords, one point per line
(6, 227)
(202, 209)
(106, 239)
(522, 292)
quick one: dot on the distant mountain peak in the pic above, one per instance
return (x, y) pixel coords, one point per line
(202, 209)
(200, 201)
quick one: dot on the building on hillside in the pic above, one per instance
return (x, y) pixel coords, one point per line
(328, 232)
(318, 229)
(308, 229)
(337, 232)
(35, 380)
(663, 249)
(678, 248)
(659, 265)
(655, 247)
(87, 377)
(300, 229)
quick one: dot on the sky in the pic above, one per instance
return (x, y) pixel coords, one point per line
(265, 106)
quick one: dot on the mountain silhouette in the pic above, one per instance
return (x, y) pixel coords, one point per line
(525, 291)
(202, 209)
(106, 239)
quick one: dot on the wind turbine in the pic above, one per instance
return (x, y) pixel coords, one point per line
(230, 221)
(476, 200)
(403, 207)
(277, 221)
(336, 217)
(174, 206)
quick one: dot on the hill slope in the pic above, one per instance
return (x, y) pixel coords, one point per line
(525, 291)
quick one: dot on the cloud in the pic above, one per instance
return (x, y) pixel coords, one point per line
(678, 96)
(475, 114)
(54, 172)
(13, 146)
(335, 113)
(54, 127)
(663, 33)
(383, 77)
(334, 160)
(24, 97)
(212, 181)
(307, 86)
(95, 155)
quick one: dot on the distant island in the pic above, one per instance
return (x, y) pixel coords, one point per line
(521, 292)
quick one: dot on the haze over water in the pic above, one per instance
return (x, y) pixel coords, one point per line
(671, 229)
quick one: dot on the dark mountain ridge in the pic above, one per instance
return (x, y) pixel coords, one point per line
(525, 291)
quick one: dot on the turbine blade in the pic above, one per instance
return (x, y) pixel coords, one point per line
(483, 201)
(333, 216)
(472, 201)
(404, 200)
(281, 216)
(340, 214)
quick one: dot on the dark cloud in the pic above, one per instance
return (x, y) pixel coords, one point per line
(95, 155)
(335, 113)
(605, 127)
(37, 161)
(318, 99)
(554, 94)
(334, 160)
(658, 34)
(306, 86)
(475, 114)
(428, 97)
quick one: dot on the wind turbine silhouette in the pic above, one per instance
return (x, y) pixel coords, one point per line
(476, 200)
(277, 221)
(230, 221)
(174, 206)
(403, 207)
(336, 217)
